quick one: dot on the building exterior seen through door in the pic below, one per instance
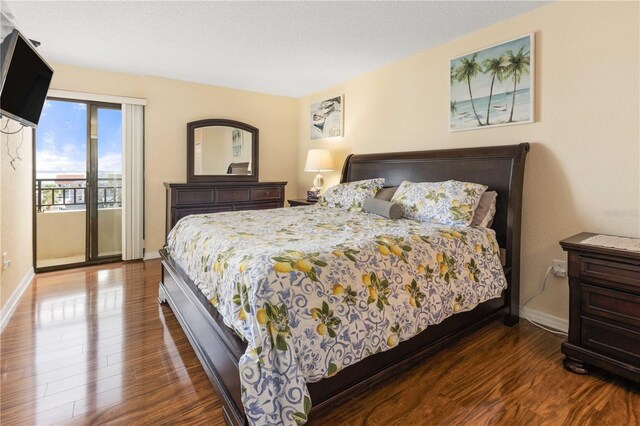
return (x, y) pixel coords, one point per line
(77, 184)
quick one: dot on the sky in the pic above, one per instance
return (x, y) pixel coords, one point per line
(61, 139)
(481, 83)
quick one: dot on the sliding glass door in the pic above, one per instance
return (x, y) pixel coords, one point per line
(105, 177)
(78, 180)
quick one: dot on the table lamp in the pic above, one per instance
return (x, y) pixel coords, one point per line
(318, 160)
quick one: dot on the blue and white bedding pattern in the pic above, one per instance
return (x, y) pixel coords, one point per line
(315, 289)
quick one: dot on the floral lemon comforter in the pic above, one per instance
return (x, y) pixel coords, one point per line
(316, 289)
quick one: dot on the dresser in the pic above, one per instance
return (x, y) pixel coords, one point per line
(604, 308)
(184, 199)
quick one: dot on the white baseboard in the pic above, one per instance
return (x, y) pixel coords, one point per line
(10, 306)
(545, 319)
(151, 255)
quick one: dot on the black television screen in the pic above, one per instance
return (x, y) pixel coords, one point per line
(25, 80)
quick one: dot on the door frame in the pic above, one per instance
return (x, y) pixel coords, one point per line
(91, 216)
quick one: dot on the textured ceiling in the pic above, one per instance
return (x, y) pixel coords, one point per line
(284, 48)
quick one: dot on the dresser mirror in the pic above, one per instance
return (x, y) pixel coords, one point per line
(220, 150)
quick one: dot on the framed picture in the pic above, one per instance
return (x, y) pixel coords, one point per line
(236, 142)
(493, 86)
(326, 118)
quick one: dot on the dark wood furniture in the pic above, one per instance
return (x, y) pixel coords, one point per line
(192, 176)
(501, 168)
(301, 202)
(184, 199)
(604, 308)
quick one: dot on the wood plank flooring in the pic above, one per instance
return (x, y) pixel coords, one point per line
(92, 346)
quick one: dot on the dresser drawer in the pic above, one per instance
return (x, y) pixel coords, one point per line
(192, 196)
(611, 304)
(621, 343)
(267, 193)
(180, 213)
(232, 195)
(606, 271)
(257, 206)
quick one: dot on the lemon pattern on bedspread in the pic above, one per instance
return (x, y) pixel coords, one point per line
(315, 289)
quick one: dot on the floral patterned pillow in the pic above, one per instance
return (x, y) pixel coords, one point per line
(449, 203)
(350, 195)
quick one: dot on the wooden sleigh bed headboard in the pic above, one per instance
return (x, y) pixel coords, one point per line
(501, 168)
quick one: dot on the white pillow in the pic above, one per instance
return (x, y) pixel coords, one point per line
(350, 195)
(450, 203)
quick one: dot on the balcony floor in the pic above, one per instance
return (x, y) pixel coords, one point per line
(56, 261)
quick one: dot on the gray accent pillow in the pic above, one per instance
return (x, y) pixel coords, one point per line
(483, 215)
(382, 208)
(386, 193)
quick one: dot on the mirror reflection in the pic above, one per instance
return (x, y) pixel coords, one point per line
(221, 150)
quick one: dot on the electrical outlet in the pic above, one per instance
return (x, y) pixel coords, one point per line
(559, 268)
(6, 262)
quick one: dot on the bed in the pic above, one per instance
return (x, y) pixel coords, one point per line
(221, 351)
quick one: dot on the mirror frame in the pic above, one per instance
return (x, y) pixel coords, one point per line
(192, 177)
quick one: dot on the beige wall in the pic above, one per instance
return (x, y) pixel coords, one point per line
(15, 210)
(582, 173)
(171, 105)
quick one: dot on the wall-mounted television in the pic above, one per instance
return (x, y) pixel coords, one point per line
(25, 80)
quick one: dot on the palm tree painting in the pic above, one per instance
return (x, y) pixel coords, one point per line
(496, 68)
(466, 70)
(518, 64)
(492, 86)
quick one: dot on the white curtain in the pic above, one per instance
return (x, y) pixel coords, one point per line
(132, 181)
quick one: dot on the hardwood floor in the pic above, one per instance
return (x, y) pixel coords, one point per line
(92, 346)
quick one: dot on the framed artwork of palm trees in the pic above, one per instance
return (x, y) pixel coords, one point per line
(493, 86)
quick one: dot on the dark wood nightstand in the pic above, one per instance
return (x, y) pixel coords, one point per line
(300, 202)
(604, 308)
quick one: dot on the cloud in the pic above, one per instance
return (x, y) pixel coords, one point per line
(49, 140)
(55, 157)
(111, 162)
(71, 149)
(48, 161)
(52, 162)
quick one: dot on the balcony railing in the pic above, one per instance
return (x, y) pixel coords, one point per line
(71, 193)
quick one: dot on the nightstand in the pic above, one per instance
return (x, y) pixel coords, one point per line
(604, 308)
(300, 202)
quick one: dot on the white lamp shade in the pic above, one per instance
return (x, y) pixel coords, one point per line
(318, 160)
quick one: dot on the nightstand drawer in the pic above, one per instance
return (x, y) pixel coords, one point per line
(269, 193)
(193, 196)
(606, 271)
(232, 195)
(621, 343)
(611, 304)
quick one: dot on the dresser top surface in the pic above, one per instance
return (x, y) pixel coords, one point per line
(574, 243)
(170, 185)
